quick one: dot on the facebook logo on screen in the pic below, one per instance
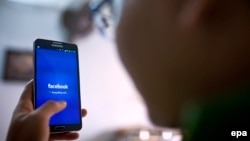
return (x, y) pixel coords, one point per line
(58, 86)
(57, 79)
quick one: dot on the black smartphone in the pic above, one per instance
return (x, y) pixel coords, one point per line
(56, 77)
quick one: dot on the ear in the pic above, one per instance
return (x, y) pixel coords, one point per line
(194, 12)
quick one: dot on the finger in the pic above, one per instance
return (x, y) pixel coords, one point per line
(25, 103)
(84, 112)
(51, 107)
(27, 93)
(64, 136)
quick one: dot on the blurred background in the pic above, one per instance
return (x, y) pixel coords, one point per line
(115, 109)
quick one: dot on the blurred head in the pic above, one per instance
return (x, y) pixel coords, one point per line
(179, 51)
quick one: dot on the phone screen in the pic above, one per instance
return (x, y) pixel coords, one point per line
(57, 78)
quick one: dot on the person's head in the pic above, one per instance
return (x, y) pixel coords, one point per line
(178, 51)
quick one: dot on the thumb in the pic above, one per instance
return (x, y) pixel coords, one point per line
(51, 107)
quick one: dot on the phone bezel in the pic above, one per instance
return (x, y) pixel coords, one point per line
(55, 45)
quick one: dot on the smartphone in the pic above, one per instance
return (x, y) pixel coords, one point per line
(56, 77)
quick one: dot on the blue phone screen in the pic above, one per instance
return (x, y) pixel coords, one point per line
(57, 79)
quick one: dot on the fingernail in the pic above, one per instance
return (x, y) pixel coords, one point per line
(63, 102)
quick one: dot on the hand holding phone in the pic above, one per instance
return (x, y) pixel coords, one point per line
(28, 124)
(56, 78)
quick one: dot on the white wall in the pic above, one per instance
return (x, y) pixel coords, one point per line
(107, 91)
(20, 25)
